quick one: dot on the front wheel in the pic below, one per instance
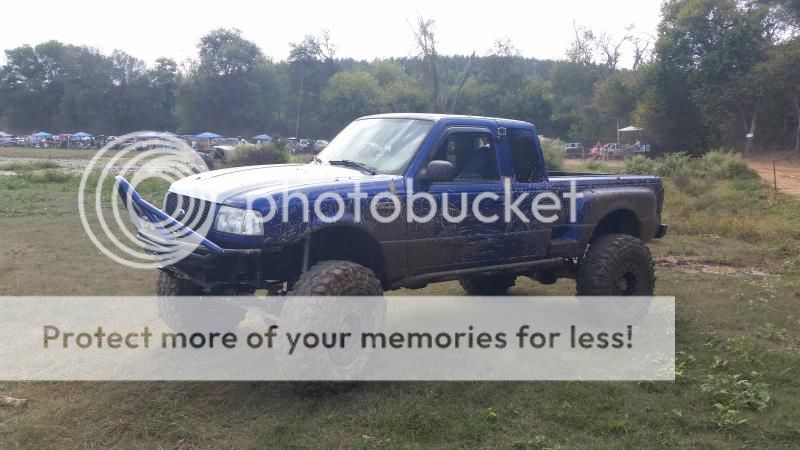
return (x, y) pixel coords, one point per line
(337, 278)
(332, 278)
(192, 312)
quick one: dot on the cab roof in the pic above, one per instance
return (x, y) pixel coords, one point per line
(455, 117)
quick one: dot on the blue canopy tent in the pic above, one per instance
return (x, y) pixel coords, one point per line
(81, 134)
(207, 135)
(42, 134)
(262, 137)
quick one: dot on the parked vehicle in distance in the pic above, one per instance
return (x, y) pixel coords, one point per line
(612, 150)
(320, 144)
(603, 249)
(222, 149)
(573, 150)
(305, 145)
(7, 141)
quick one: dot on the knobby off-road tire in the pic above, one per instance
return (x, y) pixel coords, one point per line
(488, 284)
(333, 278)
(168, 285)
(617, 264)
(192, 314)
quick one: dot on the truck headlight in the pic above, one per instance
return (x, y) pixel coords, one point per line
(245, 222)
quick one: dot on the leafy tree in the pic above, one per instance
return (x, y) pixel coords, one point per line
(230, 88)
(349, 96)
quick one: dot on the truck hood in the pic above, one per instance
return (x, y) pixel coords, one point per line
(219, 185)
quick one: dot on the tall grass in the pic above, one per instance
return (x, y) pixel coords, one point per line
(720, 195)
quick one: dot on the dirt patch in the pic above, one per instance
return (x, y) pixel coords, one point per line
(696, 266)
(787, 172)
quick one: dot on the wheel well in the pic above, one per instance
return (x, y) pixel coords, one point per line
(621, 221)
(346, 243)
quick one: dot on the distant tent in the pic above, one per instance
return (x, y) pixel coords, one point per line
(262, 137)
(4, 134)
(207, 135)
(42, 134)
(629, 128)
(81, 134)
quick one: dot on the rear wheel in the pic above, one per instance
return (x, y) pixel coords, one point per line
(617, 264)
(488, 284)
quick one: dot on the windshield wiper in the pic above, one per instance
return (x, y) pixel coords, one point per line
(351, 163)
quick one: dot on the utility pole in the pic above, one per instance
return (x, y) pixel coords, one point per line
(299, 100)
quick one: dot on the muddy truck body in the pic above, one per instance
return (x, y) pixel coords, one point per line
(282, 227)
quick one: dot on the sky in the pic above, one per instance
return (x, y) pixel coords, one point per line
(149, 29)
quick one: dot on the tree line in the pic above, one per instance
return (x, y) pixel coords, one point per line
(713, 73)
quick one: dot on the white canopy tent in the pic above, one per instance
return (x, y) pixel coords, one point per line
(628, 129)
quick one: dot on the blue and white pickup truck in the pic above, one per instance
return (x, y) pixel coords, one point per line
(375, 211)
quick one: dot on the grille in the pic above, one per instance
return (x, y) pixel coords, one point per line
(195, 211)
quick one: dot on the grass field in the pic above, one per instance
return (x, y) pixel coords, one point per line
(734, 270)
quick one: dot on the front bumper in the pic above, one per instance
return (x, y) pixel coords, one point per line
(188, 250)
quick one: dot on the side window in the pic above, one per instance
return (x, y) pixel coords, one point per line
(472, 154)
(527, 167)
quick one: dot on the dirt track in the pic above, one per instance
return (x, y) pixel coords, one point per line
(787, 172)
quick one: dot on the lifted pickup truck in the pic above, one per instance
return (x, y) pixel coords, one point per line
(279, 227)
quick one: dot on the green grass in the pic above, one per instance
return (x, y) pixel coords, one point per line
(28, 166)
(738, 342)
(48, 153)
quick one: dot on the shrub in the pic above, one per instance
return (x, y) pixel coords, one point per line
(672, 163)
(552, 154)
(718, 165)
(596, 166)
(640, 165)
(257, 154)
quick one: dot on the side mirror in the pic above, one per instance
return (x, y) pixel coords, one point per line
(438, 171)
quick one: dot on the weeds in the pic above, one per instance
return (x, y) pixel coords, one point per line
(732, 394)
(48, 176)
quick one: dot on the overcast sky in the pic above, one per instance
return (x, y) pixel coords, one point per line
(149, 29)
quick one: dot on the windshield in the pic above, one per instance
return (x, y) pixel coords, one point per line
(385, 145)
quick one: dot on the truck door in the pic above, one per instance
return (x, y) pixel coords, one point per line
(439, 244)
(531, 239)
